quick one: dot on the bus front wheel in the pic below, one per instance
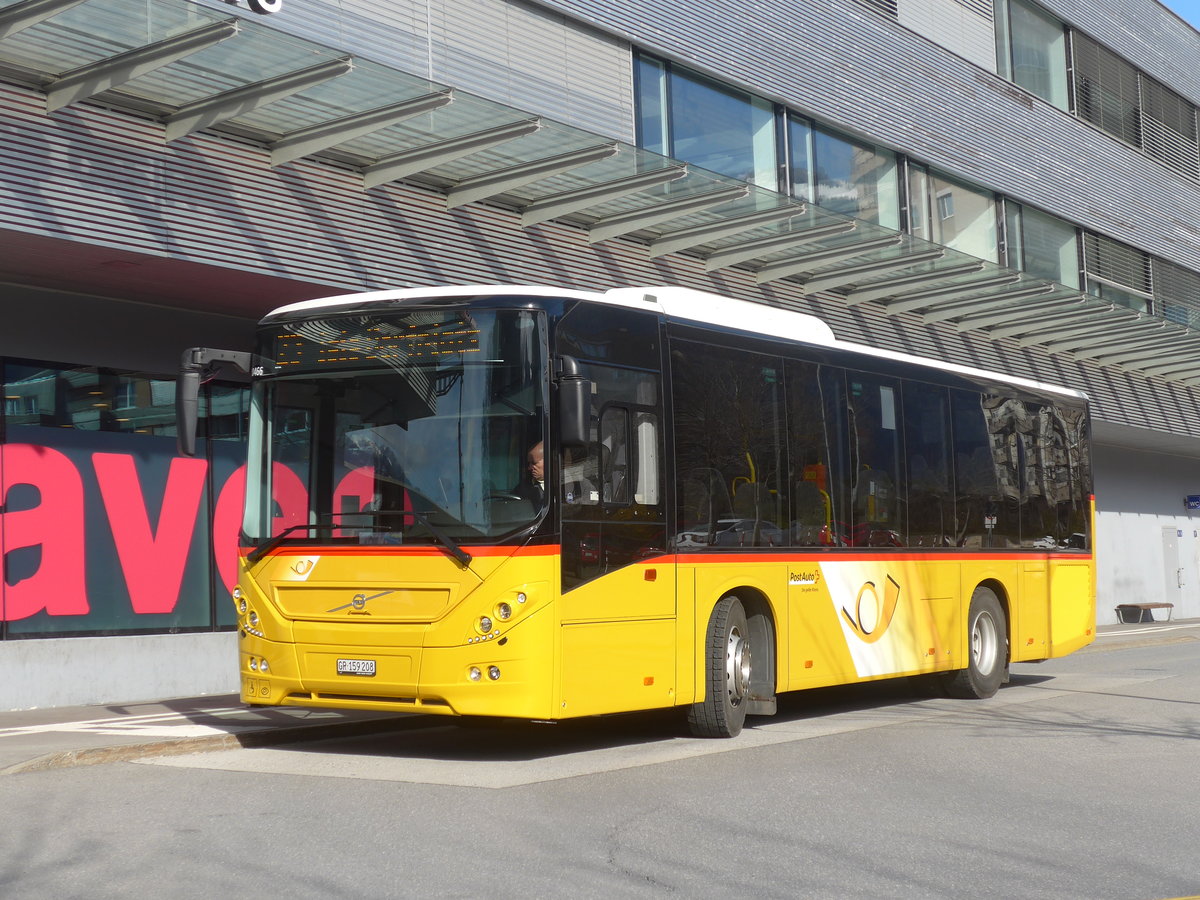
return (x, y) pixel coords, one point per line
(727, 673)
(987, 649)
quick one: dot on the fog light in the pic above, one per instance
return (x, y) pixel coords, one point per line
(494, 673)
(485, 624)
(521, 598)
(263, 667)
(503, 612)
(253, 664)
(474, 674)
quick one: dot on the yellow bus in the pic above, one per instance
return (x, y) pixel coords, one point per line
(540, 503)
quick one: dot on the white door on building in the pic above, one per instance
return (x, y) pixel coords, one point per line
(1173, 575)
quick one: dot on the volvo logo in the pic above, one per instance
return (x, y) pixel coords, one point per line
(358, 604)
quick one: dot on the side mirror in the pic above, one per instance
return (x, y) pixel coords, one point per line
(197, 364)
(574, 404)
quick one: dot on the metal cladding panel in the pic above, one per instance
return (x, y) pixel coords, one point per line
(516, 53)
(1145, 32)
(92, 175)
(965, 28)
(853, 68)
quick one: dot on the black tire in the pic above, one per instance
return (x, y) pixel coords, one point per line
(987, 650)
(727, 667)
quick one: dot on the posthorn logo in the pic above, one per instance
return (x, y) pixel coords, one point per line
(262, 7)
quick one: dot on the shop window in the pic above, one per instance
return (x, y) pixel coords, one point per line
(105, 529)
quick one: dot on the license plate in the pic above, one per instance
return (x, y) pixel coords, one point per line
(356, 667)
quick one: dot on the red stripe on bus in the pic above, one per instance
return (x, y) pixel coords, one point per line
(852, 556)
(315, 550)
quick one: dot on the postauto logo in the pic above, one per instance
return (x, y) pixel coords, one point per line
(262, 7)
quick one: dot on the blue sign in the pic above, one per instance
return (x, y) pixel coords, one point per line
(1192, 501)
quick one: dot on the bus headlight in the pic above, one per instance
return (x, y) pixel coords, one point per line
(494, 673)
(484, 625)
(474, 674)
(503, 612)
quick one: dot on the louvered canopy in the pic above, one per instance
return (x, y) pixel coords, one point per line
(195, 67)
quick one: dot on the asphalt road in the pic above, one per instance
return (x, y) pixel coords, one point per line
(1080, 779)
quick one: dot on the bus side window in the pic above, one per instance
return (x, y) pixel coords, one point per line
(614, 455)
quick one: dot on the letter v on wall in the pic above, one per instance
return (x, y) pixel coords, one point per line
(152, 561)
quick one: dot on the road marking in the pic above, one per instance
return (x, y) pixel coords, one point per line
(496, 759)
(165, 724)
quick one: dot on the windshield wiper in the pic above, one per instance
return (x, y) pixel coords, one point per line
(267, 546)
(455, 550)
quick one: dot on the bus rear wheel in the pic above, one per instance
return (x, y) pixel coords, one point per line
(727, 668)
(987, 649)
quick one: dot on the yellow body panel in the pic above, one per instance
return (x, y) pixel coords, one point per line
(631, 639)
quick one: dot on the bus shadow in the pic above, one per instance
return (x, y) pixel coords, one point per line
(477, 739)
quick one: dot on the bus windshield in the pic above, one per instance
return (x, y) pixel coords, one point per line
(398, 428)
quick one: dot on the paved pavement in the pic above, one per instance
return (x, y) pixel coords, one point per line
(40, 739)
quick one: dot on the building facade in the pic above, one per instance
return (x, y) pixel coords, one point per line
(1013, 185)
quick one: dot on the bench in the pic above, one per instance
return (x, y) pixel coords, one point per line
(1125, 612)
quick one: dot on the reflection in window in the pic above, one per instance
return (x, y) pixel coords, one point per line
(985, 476)
(843, 175)
(949, 212)
(87, 398)
(927, 440)
(875, 483)
(689, 117)
(1032, 50)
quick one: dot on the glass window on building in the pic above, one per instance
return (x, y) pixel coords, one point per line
(843, 175)
(689, 117)
(104, 529)
(1032, 50)
(1041, 244)
(1117, 272)
(951, 213)
(1107, 93)
(1177, 293)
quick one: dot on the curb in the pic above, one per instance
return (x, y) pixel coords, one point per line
(92, 756)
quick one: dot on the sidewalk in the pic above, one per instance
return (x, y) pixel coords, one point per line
(40, 739)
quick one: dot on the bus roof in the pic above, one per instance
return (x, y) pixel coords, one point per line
(677, 304)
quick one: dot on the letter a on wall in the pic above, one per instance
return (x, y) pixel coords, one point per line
(55, 526)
